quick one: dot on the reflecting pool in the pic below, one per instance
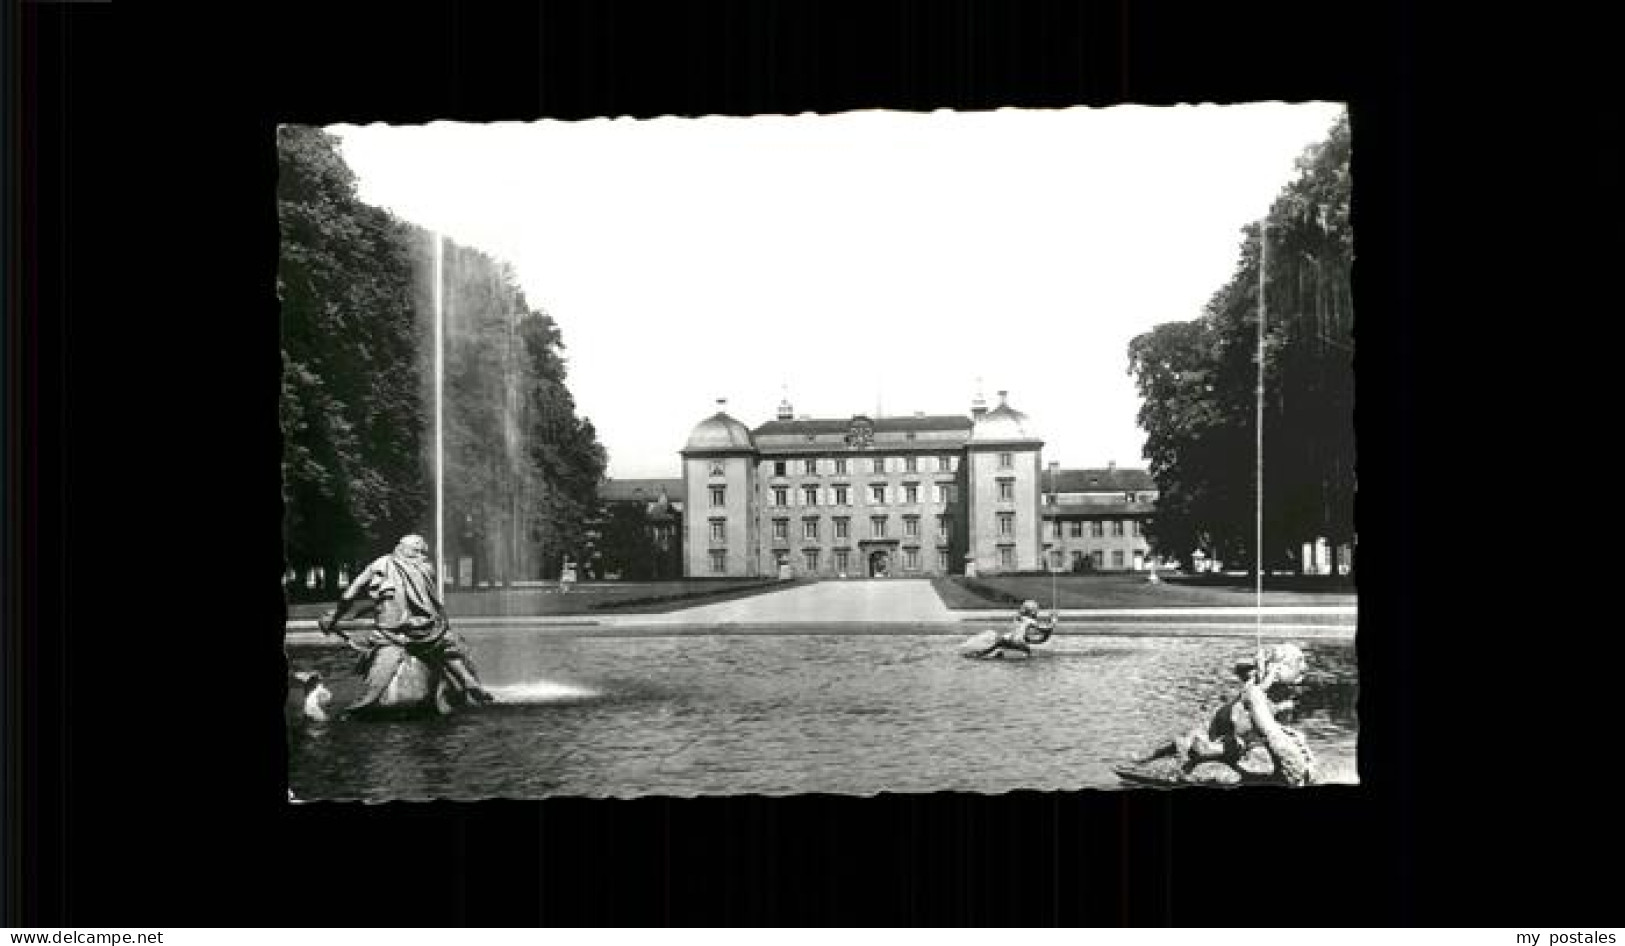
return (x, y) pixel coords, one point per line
(782, 714)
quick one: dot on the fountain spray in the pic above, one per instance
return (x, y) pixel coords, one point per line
(439, 417)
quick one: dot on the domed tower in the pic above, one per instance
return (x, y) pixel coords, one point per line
(719, 488)
(1004, 454)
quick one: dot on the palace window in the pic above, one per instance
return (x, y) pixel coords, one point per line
(809, 529)
(809, 495)
(811, 556)
(911, 526)
(719, 530)
(879, 464)
(843, 528)
(1007, 557)
(719, 561)
(841, 561)
(942, 527)
(781, 530)
(779, 468)
(1007, 491)
(1077, 528)
(840, 467)
(1117, 559)
(1007, 523)
(1097, 529)
(1007, 461)
(1055, 528)
(942, 561)
(910, 465)
(719, 495)
(946, 463)
(911, 560)
(1077, 561)
(1117, 527)
(877, 527)
(716, 467)
(877, 492)
(945, 493)
(840, 496)
(781, 495)
(1098, 558)
(911, 493)
(809, 467)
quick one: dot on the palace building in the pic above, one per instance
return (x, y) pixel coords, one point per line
(913, 495)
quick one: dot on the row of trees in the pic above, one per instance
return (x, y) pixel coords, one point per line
(1198, 381)
(357, 409)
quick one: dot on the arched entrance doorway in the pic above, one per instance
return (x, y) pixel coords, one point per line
(879, 564)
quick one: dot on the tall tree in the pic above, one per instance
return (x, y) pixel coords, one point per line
(351, 416)
(357, 413)
(1198, 382)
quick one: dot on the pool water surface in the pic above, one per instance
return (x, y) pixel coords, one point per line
(784, 714)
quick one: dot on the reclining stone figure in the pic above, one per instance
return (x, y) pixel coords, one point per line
(1243, 741)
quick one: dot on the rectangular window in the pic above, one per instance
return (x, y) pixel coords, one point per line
(942, 562)
(1077, 528)
(911, 493)
(840, 496)
(911, 560)
(877, 493)
(942, 493)
(779, 468)
(1007, 491)
(716, 467)
(719, 530)
(1117, 559)
(1136, 527)
(1055, 528)
(840, 467)
(879, 465)
(1099, 559)
(781, 495)
(809, 529)
(811, 556)
(1097, 529)
(1117, 527)
(843, 528)
(942, 527)
(911, 527)
(1007, 523)
(877, 527)
(809, 467)
(946, 462)
(910, 465)
(1007, 557)
(840, 563)
(1007, 461)
(719, 561)
(719, 495)
(809, 495)
(781, 530)
(1077, 561)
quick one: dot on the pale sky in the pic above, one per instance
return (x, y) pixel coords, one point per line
(863, 261)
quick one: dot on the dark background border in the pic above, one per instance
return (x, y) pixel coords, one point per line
(145, 769)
